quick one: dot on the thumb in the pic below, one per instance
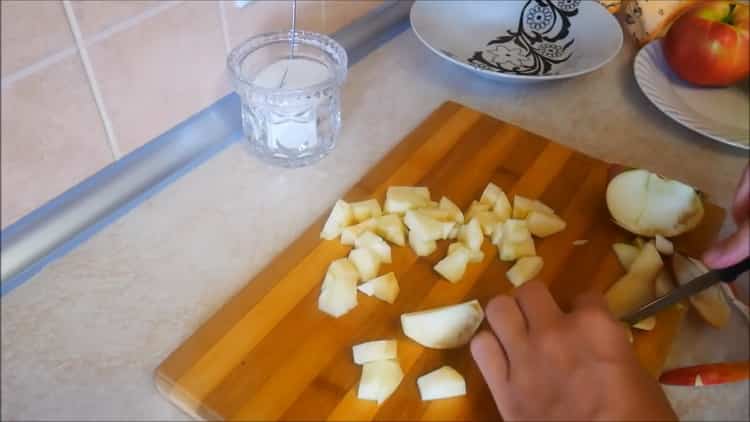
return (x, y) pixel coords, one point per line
(731, 250)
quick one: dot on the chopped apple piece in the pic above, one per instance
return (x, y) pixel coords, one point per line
(524, 270)
(488, 220)
(391, 228)
(400, 199)
(522, 206)
(453, 266)
(626, 254)
(441, 383)
(374, 351)
(339, 291)
(475, 208)
(490, 194)
(710, 303)
(542, 224)
(497, 235)
(444, 328)
(639, 242)
(379, 380)
(636, 288)
(384, 287)
(420, 246)
(663, 245)
(517, 240)
(438, 214)
(366, 262)
(373, 242)
(427, 228)
(448, 205)
(342, 269)
(502, 207)
(663, 283)
(349, 234)
(364, 210)
(340, 217)
(474, 256)
(471, 235)
(454, 232)
(646, 324)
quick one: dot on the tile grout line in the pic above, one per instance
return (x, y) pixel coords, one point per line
(39, 65)
(224, 26)
(93, 85)
(130, 22)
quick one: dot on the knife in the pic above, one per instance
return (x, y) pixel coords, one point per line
(688, 289)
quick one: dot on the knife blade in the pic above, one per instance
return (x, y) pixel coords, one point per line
(688, 289)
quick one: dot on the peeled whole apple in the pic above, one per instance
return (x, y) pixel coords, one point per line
(710, 44)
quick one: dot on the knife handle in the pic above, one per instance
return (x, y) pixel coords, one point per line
(730, 274)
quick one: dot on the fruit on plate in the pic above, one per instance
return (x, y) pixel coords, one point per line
(709, 45)
(517, 240)
(543, 224)
(384, 287)
(636, 287)
(471, 235)
(364, 210)
(441, 383)
(338, 294)
(474, 256)
(453, 266)
(391, 228)
(373, 242)
(710, 374)
(448, 205)
(340, 217)
(349, 234)
(366, 262)
(446, 327)
(646, 324)
(626, 254)
(420, 246)
(374, 351)
(379, 380)
(522, 206)
(710, 303)
(427, 227)
(399, 199)
(524, 270)
(647, 204)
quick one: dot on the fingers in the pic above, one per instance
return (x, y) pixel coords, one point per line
(589, 300)
(731, 250)
(539, 308)
(492, 362)
(741, 205)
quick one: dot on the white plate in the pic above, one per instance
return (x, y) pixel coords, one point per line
(718, 113)
(519, 39)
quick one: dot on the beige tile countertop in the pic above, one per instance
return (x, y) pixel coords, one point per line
(81, 339)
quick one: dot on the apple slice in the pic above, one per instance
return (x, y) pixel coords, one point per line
(338, 294)
(710, 303)
(636, 287)
(340, 217)
(374, 351)
(349, 234)
(488, 220)
(663, 245)
(522, 206)
(471, 235)
(524, 269)
(447, 327)
(453, 266)
(421, 247)
(474, 256)
(400, 199)
(490, 194)
(373, 242)
(379, 380)
(427, 228)
(367, 209)
(441, 383)
(366, 262)
(502, 207)
(448, 205)
(542, 224)
(384, 287)
(646, 324)
(475, 208)
(391, 228)
(626, 254)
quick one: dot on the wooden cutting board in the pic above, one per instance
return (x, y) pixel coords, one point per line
(270, 354)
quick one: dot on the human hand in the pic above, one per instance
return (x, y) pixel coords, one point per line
(736, 247)
(542, 364)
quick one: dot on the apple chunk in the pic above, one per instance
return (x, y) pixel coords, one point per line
(542, 224)
(453, 266)
(340, 217)
(491, 194)
(400, 199)
(475, 208)
(646, 324)
(349, 234)
(374, 351)
(391, 229)
(626, 254)
(364, 210)
(524, 270)
(373, 242)
(710, 303)
(444, 328)
(421, 247)
(516, 240)
(379, 380)
(474, 256)
(471, 235)
(366, 262)
(522, 206)
(448, 205)
(636, 287)
(384, 287)
(338, 294)
(427, 228)
(441, 383)
(663, 245)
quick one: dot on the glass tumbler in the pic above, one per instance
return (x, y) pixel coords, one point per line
(291, 96)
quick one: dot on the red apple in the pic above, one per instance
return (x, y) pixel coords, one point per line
(709, 45)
